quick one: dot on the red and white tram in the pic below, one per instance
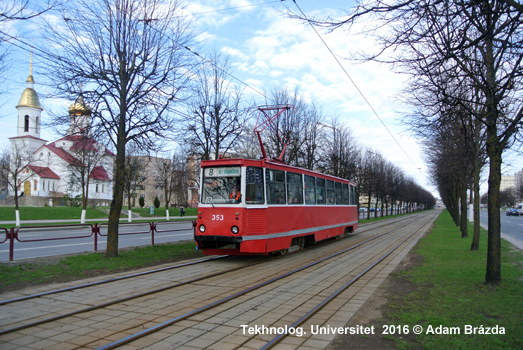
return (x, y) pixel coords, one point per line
(278, 206)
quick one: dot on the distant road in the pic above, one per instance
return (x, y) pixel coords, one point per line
(27, 250)
(511, 227)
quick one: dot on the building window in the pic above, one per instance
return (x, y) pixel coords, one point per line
(26, 123)
(96, 188)
(36, 185)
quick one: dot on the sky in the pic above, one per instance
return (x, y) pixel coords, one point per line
(267, 49)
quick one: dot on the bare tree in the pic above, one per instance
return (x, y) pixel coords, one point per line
(339, 150)
(4, 172)
(171, 174)
(17, 172)
(130, 58)
(136, 173)
(480, 43)
(216, 118)
(91, 158)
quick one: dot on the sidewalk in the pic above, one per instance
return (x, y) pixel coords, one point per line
(513, 240)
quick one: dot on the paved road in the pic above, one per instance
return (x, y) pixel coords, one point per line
(83, 241)
(511, 227)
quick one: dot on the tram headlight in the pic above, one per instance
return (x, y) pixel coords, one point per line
(202, 228)
(235, 230)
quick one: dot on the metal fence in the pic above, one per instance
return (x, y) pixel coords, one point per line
(79, 231)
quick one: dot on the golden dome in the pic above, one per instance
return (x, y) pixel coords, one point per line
(79, 108)
(29, 99)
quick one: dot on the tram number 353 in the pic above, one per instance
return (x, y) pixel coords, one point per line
(217, 218)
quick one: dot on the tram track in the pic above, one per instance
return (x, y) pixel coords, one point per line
(331, 297)
(207, 306)
(196, 312)
(364, 228)
(142, 294)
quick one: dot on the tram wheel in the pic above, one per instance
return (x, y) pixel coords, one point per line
(301, 242)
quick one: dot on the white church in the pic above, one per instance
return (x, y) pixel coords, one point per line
(50, 170)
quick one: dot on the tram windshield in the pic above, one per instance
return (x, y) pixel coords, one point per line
(221, 185)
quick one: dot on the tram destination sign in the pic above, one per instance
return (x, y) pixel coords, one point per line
(222, 172)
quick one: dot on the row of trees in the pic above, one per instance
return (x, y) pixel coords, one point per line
(131, 62)
(464, 62)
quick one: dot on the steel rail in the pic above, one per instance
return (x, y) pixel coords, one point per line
(174, 320)
(157, 290)
(318, 307)
(68, 289)
(90, 284)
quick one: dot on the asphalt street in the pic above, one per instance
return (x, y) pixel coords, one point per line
(511, 227)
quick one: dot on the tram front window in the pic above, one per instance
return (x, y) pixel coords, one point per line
(221, 186)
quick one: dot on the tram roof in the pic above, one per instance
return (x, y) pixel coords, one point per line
(264, 163)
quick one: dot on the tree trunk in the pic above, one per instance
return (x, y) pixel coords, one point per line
(493, 274)
(475, 236)
(494, 152)
(463, 219)
(117, 202)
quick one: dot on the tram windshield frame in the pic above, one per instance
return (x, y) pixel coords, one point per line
(218, 184)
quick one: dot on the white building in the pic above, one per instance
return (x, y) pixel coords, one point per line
(52, 169)
(507, 182)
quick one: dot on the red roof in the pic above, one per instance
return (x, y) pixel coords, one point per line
(81, 142)
(99, 173)
(63, 154)
(44, 172)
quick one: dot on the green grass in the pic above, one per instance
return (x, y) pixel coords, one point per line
(173, 212)
(85, 265)
(450, 292)
(49, 213)
(71, 213)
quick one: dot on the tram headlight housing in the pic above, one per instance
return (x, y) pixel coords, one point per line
(202, 228)
(235, 230)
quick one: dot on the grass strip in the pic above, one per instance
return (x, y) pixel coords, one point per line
(52, 270)
(451, 295)
(68, 213)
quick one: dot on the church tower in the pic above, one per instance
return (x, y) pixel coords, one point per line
(29, 109)
(79, 119)
(27, 138)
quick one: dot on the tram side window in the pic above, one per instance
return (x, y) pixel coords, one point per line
(345, 194)
(310, 189)
(275, 180)
(294, 188)
(337, 189)
(320, 191)
(254, 191)
(331, 197)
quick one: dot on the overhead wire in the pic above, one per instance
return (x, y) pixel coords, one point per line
(356, 86)
(46, 55)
